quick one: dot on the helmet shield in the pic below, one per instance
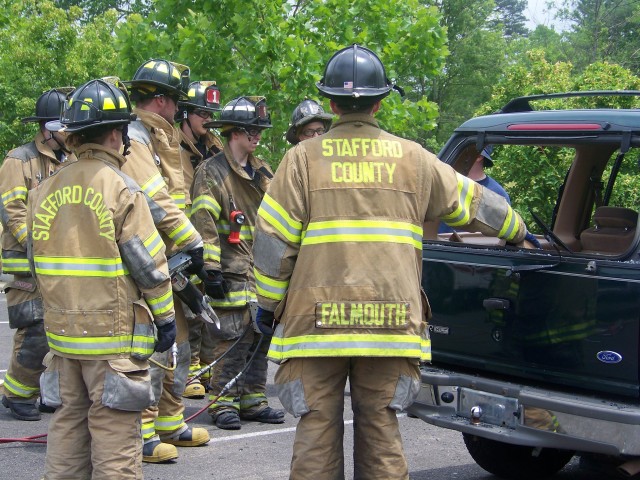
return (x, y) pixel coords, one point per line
(49, 105)
(160, 77)
(204, 95)
(353, 73)
(244, 112)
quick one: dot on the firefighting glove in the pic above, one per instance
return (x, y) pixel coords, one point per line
(166, 336)
(263, 322)
(197, 261)
(214, 285)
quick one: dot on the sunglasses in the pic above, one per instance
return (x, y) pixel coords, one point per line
(252, 132)
(310, 132)
(204, 114)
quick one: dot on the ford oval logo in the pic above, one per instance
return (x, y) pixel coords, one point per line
(607, 356)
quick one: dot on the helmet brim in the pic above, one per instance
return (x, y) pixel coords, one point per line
(182, 104)
(224, 123)
(57, 126)
(162, 88)
(36, 119)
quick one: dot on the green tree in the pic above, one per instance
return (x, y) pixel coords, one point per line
(511, 14)
(603, 30)
(279, 49)
(533, 177)
(94, 8)
(477, 47)
(43, 47)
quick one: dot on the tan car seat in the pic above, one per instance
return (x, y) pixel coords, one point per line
(613, 231)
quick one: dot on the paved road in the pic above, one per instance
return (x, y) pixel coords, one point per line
(257, 451)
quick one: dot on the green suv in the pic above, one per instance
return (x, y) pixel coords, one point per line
(536, 347)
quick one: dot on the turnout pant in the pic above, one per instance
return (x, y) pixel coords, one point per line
(313, 388)
(166, 415)
(248, 393)
(22, 380)
(86, 439)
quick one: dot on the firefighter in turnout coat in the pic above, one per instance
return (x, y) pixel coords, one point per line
(227, 191)
(100, 265)
(22, 170)
(155, 163)
(338, 256)
(198, 143)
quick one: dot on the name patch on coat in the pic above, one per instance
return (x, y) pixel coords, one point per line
(362, 315)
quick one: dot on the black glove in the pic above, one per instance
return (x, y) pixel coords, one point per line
(166, 336)
(214, 284)
(264, 322)
(197, 261)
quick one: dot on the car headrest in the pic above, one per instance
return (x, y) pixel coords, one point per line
(615, 217)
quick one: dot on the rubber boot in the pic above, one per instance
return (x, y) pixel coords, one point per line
(157, 452)
(44, 408)
(227, 419)
(189, 437)
(22, 411)
(266, 415)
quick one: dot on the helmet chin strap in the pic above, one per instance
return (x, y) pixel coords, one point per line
(126, 141)
(186, 120)
(62, 146)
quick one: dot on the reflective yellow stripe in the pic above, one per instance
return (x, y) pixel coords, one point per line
(279, 219)
(180, 200)
(363, 231)
(510, 226)
(169, 423)
(461, 215)
(148, 430)
(18, 388)
(161, 304)
(208, 203)
(79, 267)
(182, 233)
(269, 287)
(234, 299)
(18, 193)
(153, 243)
(12, 265)
(21, 232)
(211, 252)
(246, 231)
(153, 185)
(90, 345)
(251, 400)
(350, 345)
(143, 341)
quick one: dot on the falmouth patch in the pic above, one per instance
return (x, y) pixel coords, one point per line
(362, 315)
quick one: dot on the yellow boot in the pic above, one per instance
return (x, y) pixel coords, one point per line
(156, 451)
(194, 390)
(190, 437)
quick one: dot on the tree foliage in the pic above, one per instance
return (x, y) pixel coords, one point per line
(279, 49)
(43, 47)
(603, 30)
(533, 175)
(95, 8)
